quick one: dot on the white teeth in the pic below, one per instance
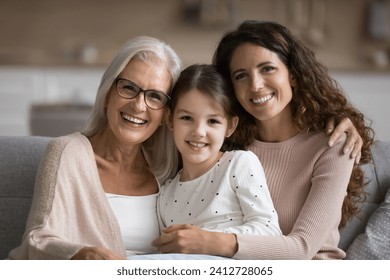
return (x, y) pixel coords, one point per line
(262, 99)
(132, 119)
(198, 145)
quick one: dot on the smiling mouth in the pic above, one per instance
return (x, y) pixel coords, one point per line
(197, 144)
(263, 99)
(133, 119)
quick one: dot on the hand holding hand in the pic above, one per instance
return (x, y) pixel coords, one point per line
(188, 239)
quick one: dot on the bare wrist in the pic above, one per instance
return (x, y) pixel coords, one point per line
(225, 244)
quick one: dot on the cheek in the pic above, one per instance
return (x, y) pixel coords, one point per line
(243, 100)
(239, 92)
(287, 90)
(284, 81)
(157, 116)
(109, 106)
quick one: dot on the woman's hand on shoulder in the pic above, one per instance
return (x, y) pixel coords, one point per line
(354, 142)
(96, 253)
(188, 239)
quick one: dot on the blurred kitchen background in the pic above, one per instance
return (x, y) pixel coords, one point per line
(53, 52)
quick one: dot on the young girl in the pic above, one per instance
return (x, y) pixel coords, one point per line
(215, 190)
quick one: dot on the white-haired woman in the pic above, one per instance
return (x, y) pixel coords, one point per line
(95, 194)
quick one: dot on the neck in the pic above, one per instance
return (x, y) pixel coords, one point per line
(109, 148)
(277, 129)
(192, 171)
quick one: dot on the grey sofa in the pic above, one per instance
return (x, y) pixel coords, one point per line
(364, 237)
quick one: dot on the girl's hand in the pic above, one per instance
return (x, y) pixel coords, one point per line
(96, 253)
(188, 239)
(354, 142)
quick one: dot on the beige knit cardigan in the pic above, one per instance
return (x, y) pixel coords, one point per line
(69, 209)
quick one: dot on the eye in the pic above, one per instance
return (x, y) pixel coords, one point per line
(214, 121)
(268, 69)
(185, 118)
(128, 87)
(156, 96)
(239, 76)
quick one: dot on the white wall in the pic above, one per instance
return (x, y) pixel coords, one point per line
(370, 93)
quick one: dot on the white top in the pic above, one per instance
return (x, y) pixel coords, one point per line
(137, 218)
(232, 197)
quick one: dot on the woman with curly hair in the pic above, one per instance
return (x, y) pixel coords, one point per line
(285, 97)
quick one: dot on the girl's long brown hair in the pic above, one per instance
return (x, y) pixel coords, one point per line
(316, 96)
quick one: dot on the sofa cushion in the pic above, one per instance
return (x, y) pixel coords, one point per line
(357, 224)
(20, 158)
(374, 242)
(377, 175)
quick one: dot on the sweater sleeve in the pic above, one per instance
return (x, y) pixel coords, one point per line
(317, 219)
(248, 181)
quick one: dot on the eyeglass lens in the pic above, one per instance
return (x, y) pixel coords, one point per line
(153, 98)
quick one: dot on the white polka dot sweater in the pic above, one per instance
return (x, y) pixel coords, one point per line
(231, 197)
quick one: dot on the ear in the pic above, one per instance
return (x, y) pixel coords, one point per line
(169, 120)
(293, 82)
(232, 125)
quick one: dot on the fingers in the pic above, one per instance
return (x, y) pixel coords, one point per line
(177, 227)
(96, 253)
(107, 254)
(174, 239)
(350, 143)
(356, 148)
(330, 126)
(358, 156)
(161, 240)
(344, 125)
(166, 243)
(354, 142)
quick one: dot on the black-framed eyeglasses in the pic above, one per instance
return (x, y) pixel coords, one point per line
(154, 99)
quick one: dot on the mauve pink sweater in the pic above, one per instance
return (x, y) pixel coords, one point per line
(308, 181)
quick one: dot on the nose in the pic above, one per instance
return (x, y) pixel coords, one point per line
(257, 83)
(139, 102)
(199, 130)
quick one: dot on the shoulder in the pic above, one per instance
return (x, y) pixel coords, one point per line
(245, 157)
(171, 181)
(318, 141)
(69, 148)
(73, 143)
(326, 156)
(71, 140)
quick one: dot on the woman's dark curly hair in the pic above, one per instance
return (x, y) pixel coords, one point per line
(316, 96)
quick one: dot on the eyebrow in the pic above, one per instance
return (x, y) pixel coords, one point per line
(182, 111)
(149, 89)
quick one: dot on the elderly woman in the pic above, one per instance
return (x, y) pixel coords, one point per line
(95, 194)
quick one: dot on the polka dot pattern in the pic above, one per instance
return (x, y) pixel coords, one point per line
(229, 198)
